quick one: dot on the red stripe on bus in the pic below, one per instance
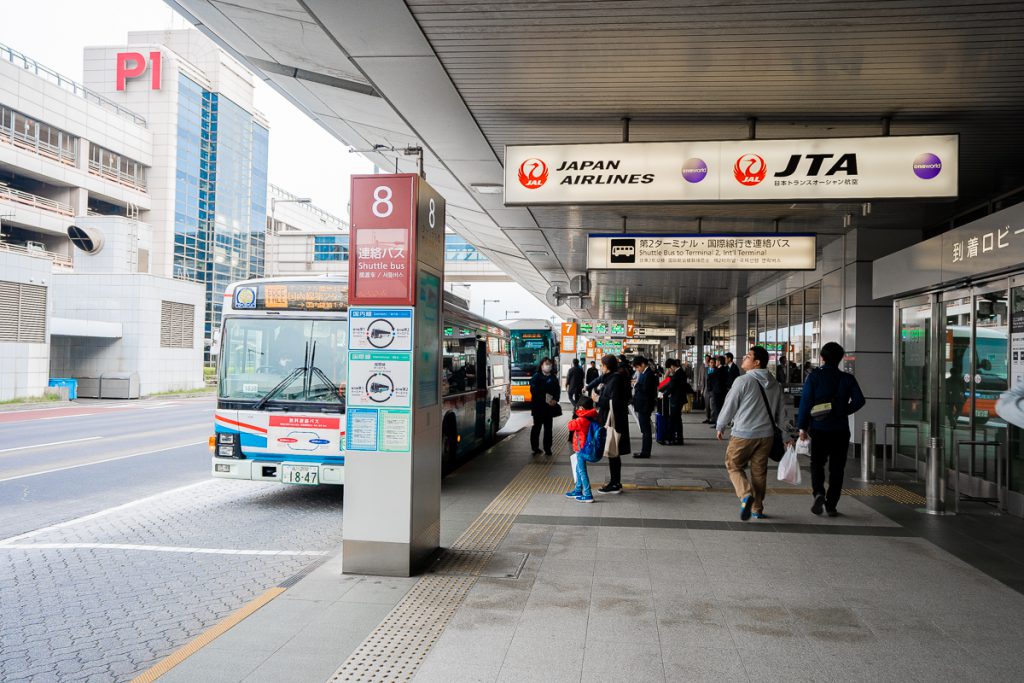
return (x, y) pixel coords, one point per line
(242, 424)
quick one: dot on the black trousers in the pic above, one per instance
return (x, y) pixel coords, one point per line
(830, 448)
(574, 396)
(707, 405)
(615, 471)
(540, 421)
(675, 421)
(716, 406)
(645, 432)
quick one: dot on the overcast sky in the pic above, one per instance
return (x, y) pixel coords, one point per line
(304, 159)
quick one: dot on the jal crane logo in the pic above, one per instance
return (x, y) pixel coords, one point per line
(533, 173)
(750, 169)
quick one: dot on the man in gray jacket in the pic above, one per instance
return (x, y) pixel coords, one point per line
(750, 441)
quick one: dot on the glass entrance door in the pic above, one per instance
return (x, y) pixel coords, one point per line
(990, 376)
(914, 376)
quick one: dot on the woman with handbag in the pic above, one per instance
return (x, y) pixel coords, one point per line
(544, 394)
(613, 413)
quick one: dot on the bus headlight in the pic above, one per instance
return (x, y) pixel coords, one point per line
(226, 451)
(226, 437)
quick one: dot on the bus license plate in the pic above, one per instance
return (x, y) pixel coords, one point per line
(304, 475)
(518, 399)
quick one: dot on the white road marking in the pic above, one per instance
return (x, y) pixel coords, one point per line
(156, 548)
(108, 511)
(100, 462)
(52, 443)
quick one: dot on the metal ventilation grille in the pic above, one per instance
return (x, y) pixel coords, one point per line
(177, 323)
(22, 313)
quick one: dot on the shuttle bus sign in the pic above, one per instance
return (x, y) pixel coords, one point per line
(771, 251)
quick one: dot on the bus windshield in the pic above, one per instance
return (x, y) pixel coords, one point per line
(259, 354)
(529, 347)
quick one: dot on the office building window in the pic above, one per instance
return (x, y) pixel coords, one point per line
(116, 167)
(330, 248)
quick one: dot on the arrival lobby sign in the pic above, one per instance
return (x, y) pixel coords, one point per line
(826, 169)
(659, 251)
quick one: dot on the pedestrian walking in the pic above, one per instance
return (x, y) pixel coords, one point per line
(709, 371)
(719, 384)
(592, 373)
(574, 383)
(645, 397)
(614, 401)
(828, 398)
(580, 428)
(754, 407)
(544, 395)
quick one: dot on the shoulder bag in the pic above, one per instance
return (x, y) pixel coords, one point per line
(611, 441)
(778, 447)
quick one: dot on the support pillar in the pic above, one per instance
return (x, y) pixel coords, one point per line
(393, 419)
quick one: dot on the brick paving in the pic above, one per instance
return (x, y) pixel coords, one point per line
(106, 614)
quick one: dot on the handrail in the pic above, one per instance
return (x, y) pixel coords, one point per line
(22, 141)
(59, 260)
(10, 194)
(117, 176)
(65, 83)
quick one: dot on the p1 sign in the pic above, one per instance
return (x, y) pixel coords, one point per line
(133, 64)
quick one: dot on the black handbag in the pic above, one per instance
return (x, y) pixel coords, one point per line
(556, 410)
(778, 447)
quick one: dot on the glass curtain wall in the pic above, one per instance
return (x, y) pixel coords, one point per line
(914, 376)
(790, 329)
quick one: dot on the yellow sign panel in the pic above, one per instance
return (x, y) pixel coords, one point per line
(275, 296)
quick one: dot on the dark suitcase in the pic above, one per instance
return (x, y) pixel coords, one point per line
(661, 427)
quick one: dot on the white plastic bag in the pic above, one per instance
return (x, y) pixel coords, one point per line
(789, 467)
(803, 446)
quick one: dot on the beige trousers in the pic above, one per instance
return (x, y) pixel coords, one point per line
(754, 452)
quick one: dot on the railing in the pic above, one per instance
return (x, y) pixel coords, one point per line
(116, 176)
(29, 64)
(59, 260)
(36, 145)
(19, 197)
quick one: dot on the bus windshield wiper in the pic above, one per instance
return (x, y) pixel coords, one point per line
(313, 369)
(261, 404)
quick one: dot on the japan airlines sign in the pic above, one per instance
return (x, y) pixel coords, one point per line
(134, 64)
(828, 169)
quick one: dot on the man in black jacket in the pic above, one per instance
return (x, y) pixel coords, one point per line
(592, 373)
(645, 396)
(732, 369)
(544, 395)
(574, 383)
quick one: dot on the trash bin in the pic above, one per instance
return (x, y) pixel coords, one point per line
(71, 384)
(119, 385)
(88, 387)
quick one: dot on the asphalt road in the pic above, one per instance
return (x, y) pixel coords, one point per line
(117, 546)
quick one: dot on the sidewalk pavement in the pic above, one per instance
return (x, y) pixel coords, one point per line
(660, 583)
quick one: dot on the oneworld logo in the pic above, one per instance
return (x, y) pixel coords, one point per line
(927, 166)
(533, 173)
(750, 169)
(694, 170)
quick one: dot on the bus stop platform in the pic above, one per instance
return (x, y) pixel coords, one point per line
(660, 583)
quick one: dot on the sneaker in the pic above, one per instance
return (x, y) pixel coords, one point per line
(745, 508)
(819, 505)
(833, 513)
(610, 488)
(758, 515)
(573, 494)
(584, 499)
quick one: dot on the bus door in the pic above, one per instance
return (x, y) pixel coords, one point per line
(482, 395)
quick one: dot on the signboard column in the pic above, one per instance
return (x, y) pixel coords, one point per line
(393, 431)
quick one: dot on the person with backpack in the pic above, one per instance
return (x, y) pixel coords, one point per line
(586, 447)
(828, 398)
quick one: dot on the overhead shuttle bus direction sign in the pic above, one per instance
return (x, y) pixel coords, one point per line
(826, 169)
(659, 251)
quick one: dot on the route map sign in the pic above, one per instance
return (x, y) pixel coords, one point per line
(386, 329)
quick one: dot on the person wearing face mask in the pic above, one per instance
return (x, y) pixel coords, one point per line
(544, 395)
(614, 399)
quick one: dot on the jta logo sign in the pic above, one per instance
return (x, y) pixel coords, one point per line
(133, 65)
(847, 163)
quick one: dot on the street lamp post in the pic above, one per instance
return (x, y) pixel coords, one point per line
(489, 301)
(274, 201)
(512, 312)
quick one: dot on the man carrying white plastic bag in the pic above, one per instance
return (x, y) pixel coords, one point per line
(789, 467)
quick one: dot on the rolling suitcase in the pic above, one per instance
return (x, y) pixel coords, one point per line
(661, 427)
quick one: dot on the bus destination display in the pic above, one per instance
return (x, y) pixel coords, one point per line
(292, 296)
